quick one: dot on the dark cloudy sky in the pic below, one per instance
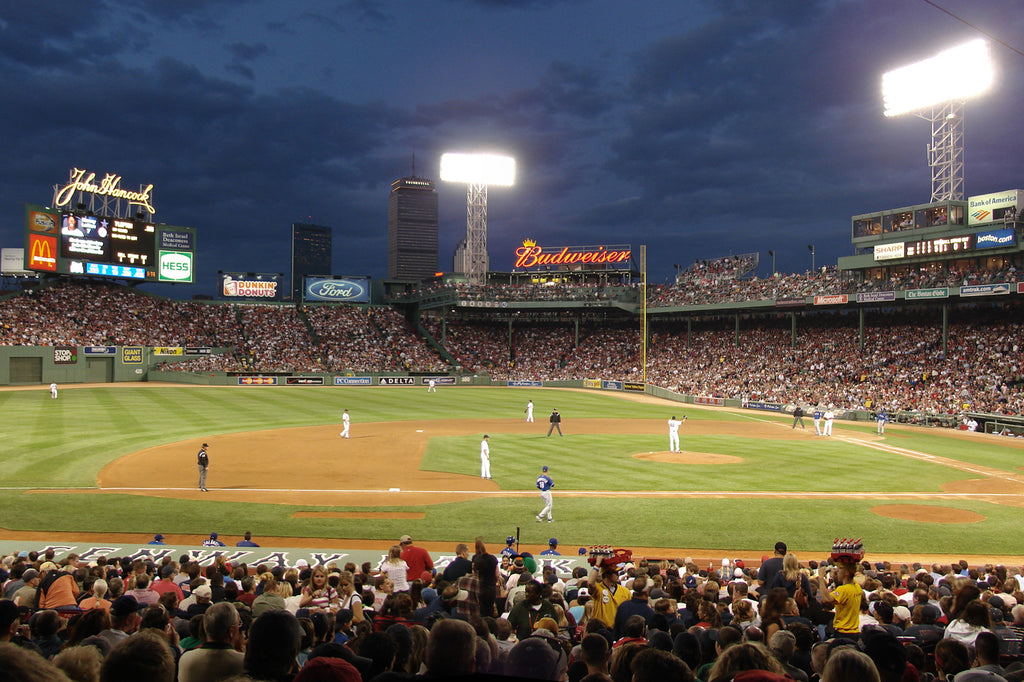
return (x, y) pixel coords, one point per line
(700, 129)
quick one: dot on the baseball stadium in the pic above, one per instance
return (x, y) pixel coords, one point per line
(877, 399)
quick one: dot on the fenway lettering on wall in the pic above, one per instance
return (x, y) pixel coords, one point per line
(531, 255)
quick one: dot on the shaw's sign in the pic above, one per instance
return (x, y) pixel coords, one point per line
(529, 255)
(110, 186)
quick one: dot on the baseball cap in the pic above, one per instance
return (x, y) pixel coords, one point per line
(158, 537)
(691, 581)
(30, 574)
(124, 605)
(584, 592)
(213, 536)
(205, 445)
(47, 566)
(453, 593)
(902, 613)
(203, 592)
(737, 573)
(301, 563)
(404, 539)
(510, 539)
(544, 468)
(553, 541)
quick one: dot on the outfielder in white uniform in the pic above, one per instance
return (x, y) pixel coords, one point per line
(345, 424)
(432, 386)
(829, 416)
(53, 390)
(485, 458)
(529, 410)
(673, 433)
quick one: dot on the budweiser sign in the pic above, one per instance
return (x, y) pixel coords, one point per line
(530, 255)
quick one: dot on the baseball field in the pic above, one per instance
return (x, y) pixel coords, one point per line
(118, 461)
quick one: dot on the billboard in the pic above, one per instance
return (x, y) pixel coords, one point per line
(260, 285)
(532, 255)
(338, 289)
(81, 243)
(995, 207)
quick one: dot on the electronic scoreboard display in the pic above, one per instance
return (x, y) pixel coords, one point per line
(82, 244)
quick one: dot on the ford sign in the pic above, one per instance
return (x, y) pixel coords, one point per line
(323, 289)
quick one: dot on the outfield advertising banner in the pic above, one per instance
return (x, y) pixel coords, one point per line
(591, 383)
(251, 285)
(65, 355)
(198, 350)
(353, 381)
(100, 350)
(304, 381)
(396, 381)
(256, 381)
(524, 384)
(131, 355)
(707, 400)
(611, 385)
(338, 289)
(832, 299)
(634, 386)
(440, 381)
(166, 350)
(789, 302)
(988, 208)
(758, 405)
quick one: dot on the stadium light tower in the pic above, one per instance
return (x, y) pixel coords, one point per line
(936, 90)
(477, 171)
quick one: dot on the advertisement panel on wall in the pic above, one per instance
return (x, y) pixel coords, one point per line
(259, 285)
(994, 239)
(337, 289)
(993, 208)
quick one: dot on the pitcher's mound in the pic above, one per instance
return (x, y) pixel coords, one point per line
(687, 457)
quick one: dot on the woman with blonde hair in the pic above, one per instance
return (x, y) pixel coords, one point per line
(347, 596)
(396, 569)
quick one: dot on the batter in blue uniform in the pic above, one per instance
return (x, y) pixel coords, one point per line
(544, 485)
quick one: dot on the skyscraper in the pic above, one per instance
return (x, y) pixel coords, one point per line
(311, 254)
(412, 229)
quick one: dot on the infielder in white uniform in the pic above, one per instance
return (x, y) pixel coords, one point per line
(529, 410)
(829, 416)
(673, 433)
(485, 458)
(432, 386)
(345, 423)
(53, 390)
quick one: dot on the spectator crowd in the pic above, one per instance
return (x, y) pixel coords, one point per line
(508, 615)
(899, 360)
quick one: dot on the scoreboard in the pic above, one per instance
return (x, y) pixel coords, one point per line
(75, 243)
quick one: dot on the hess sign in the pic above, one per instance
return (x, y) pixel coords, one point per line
(532, 255)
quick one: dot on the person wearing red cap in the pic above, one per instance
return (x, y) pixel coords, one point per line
(416, 558)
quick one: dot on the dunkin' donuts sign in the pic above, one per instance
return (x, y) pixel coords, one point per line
(532, 255)
(249, 285)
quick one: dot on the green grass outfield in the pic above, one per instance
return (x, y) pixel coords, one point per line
(64, 443)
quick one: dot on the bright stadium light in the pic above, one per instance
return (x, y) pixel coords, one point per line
(955, 74)
(477, 171)
(484, 169)
(936, 90)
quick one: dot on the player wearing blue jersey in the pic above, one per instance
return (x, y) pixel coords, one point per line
(544, 485)
(882, 418)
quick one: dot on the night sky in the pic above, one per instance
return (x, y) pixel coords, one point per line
(700, 129)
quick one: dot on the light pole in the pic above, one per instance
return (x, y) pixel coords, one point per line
(810, 247)
(772, 254)
(477, 171)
